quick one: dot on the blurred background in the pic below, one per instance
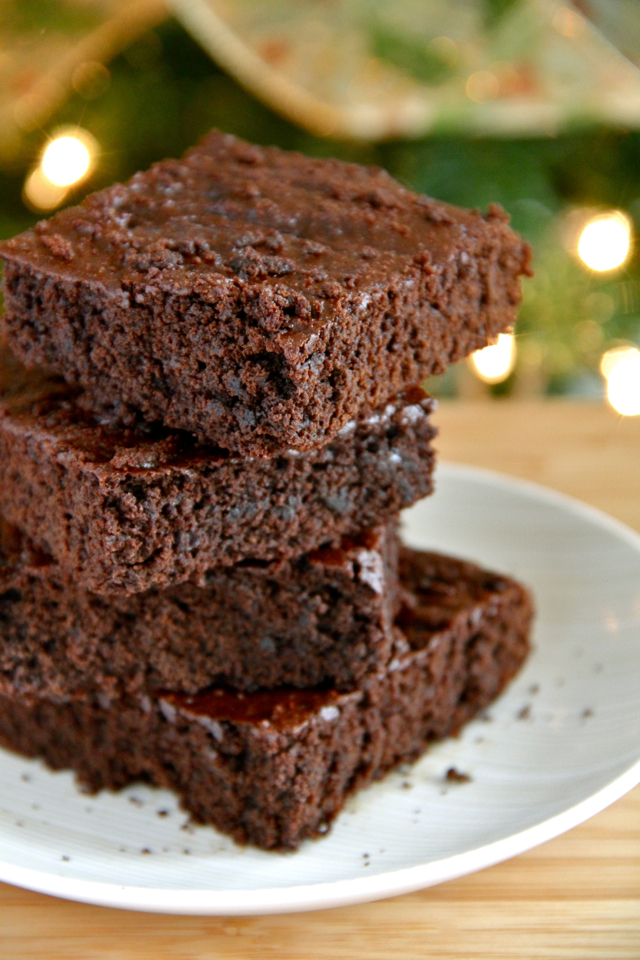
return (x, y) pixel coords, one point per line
(531, 103)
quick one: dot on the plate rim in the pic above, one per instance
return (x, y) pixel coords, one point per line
(334, 893)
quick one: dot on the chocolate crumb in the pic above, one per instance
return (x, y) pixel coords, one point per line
(58, 246)
(455, 776)
(525, 712)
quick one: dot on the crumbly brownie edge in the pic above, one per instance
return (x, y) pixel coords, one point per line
(273, 784)
(323, 618)
(295, 389)
(127, 529)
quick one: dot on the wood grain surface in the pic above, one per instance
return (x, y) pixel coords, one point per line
(574, 898)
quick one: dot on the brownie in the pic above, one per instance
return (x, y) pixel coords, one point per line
(256, 298)
(127, 510)
(325, 617)
(271, 768)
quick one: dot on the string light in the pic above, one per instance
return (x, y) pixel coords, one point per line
(621, 369)
(605, 241)
(494, 363)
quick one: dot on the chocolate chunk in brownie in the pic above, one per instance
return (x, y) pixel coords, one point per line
(325, 617)
(125, 510)
(272, 768)
(256, 298)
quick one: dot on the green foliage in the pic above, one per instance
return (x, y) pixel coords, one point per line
(26, 17)
(412, 56)
(495, 10)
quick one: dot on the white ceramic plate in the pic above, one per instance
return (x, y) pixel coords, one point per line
(561, 744)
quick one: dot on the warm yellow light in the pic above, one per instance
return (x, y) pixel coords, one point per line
(483, 86)
(621, 369)
(494, 364)
(40, 193)
(66, 159)
(605, 242)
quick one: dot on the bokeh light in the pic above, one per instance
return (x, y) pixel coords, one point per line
(39, 193)
(605, 241)
(493, 364)
(482, 87)
(66, 160)
(621, 369)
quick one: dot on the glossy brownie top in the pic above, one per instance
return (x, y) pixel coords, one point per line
(229, 211)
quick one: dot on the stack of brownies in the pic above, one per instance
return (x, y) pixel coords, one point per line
(209, 422)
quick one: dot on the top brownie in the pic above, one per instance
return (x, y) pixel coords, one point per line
(257, 298)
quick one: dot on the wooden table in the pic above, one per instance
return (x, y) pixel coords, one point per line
(575, 897)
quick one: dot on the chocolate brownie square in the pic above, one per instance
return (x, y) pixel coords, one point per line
(324, 617)
(271, 768)
(127, 510)
(256, 298)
